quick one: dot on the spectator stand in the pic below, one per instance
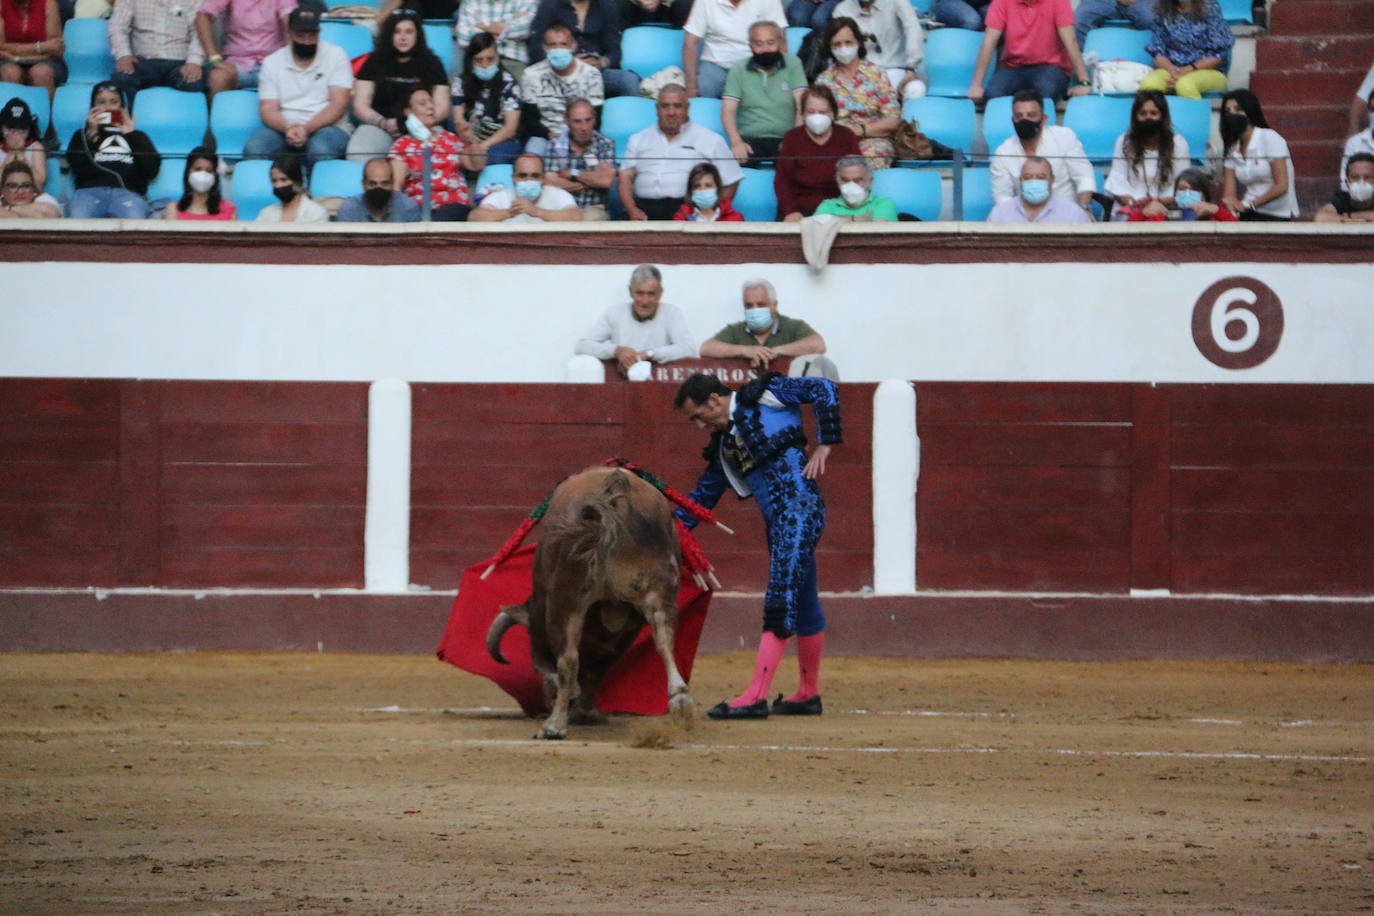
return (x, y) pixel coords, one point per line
(625, 116)
(755, 198)
(233, 119)
(355, 40)
(251, 187)
(88, 55)
(336, 178)
(645, 50)
(175, 121)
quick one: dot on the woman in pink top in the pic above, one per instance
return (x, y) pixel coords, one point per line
(31, 44)
(201, 196)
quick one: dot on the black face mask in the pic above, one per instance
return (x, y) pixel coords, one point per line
(1149, 127)
(377, 198)
(1026, 129)
(1235, 123)
(286, 193)
(304, 51)
(768, 60)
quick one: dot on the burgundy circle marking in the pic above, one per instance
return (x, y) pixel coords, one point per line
(1237, 323)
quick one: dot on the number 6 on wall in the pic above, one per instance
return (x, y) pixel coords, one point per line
(1237, 323)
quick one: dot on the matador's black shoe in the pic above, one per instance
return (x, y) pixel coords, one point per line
(811, 707)
(723, 710)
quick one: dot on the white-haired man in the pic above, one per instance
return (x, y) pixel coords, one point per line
(644, 329)
(765, 334)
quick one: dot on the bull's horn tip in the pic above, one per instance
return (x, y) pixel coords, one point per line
(490, 570)
(724, 527)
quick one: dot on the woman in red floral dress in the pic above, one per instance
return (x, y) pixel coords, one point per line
(448, 193)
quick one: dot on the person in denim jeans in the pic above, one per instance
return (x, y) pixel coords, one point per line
(963, 14)
(1091, 14)
(111, 162)
(810, 14)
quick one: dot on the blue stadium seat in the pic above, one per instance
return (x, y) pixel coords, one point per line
(233, 119)
(336, 178)
(58, 185)
(495, 174)
(88, 55)
(706, 113)
(250, 187)
(916, 192)
(37, 99)
(355, 40)
(950, 121)
(439, 37)
(1237, 11)
(70, 105)
(647, 50)
(977, 195)
(796, 34)
(924, 8)
(167, 185)
(1193, 119)
(623, 117)
(1098, 120)
(175, 121)
(951, 55)
(1119, 44)
(997, 120)
(755, 198)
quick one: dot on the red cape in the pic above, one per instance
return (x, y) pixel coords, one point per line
(637, 684)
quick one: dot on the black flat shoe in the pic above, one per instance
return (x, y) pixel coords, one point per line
(811, 707)
(724, 710)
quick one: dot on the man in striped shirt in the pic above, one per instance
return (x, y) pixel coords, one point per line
(154, 45)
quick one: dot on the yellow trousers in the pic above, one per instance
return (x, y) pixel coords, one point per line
(1189, 86)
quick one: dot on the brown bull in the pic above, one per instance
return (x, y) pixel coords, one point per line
(606, 563)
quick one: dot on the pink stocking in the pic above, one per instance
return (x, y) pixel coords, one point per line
(809, 659)
(765, 666)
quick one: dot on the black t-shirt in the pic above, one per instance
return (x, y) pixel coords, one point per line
(397, 79)
(438, 9)
(1342, 202)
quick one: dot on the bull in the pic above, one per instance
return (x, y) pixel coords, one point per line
(605, 564)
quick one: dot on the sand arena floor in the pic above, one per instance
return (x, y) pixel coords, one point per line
(272, 783)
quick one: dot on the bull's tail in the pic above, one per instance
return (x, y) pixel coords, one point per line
(509, 617)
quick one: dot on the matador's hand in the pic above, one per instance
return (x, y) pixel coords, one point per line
(816, 466)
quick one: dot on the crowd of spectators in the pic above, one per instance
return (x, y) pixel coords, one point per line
(530, 78)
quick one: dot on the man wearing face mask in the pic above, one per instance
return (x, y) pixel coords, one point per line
(1362, 142)
(764, 334)
(658, 159)
(762, 96)
(1356, 202)
(379, 202)
(857, 200)
(1036, 204)
(303, 91)
(531, 201)
(1074, 179)
(548, 86)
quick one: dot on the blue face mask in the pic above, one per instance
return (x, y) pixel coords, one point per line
(1035, 190)
(559, 58)
(705, 199)
(530, 190)
(486, 73)
(1186, 199)
(758, 319)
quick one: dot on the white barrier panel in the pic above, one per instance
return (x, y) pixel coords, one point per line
(386, 535)
(896, 462)
(1157, 322)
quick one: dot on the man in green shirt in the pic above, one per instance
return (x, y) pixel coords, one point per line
(762, 97)
(763, 335)
(857, 199)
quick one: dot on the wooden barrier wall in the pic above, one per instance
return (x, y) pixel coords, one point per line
(1243, 489)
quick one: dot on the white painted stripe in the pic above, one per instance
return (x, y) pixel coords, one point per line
(896, 463)
(386, 537)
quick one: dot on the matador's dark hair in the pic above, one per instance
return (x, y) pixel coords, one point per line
(699, 388)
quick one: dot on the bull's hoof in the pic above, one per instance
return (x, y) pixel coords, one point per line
(682, 709)
(551, 734)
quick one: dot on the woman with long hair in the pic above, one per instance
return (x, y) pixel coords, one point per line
(806, 159)
(1191, 48)
(1256, 157)
(486, 104)
(294, 204)
(1148, 156)
(400, 63)
(201, 195)
(867, 102)
(111, 161)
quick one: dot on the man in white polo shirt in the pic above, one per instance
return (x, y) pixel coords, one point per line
(653, 172)
(718, 32)
(303, 91)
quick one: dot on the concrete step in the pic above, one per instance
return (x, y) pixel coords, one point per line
(1316, 158)
(1313, 192)
(1312, 53)
(1321, 17)
(1298, 87)
(1308, 122)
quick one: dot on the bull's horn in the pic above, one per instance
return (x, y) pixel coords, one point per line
(499, 626)
(724, 527)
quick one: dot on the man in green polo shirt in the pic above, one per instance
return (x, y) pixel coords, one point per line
(762, 98)
(763, 335)
(857, 199)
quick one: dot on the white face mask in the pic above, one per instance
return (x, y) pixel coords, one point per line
(853, 193)
(845, 53)
(201, 181)
(417, 129)
(818, 123)
(1362, 192)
